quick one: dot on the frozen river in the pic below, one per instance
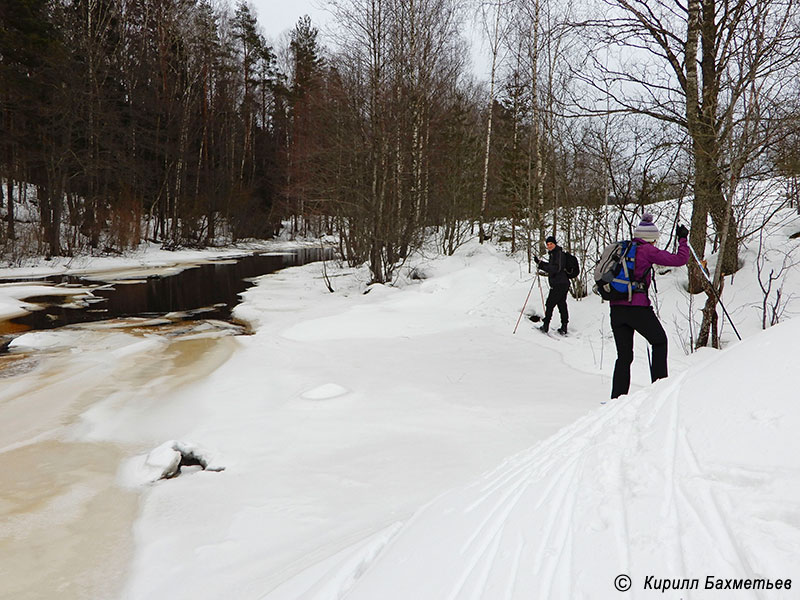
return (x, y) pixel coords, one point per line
(65, 521)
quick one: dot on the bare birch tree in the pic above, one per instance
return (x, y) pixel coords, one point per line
(692, 67)
(495, 23)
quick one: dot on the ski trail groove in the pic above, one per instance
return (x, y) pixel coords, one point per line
(554, 534)
(670, 509)
(715, 521)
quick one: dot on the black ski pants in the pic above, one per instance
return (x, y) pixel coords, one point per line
(625, 320)
(557, 297)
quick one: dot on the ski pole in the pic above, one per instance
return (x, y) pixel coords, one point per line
(541, 293)
(713, 289)
(523, 306)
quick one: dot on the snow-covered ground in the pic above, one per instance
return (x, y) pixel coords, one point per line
(403, 443)
(694, 478)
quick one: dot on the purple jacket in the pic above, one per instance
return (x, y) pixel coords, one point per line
(648, 255)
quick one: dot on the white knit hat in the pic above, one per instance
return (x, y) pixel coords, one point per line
(647, 230)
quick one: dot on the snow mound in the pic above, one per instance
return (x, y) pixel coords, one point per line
(13, 297)
(325, 392)
(697, 476)
(42, 340)
(165, 462)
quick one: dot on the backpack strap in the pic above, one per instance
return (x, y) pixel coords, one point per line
(559, 265)
(634, 286)
(640, 286)
(631, 244)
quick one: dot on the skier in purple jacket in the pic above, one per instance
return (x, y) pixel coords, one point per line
(636, 314)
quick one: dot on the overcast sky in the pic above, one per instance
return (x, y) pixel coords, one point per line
(279, 16)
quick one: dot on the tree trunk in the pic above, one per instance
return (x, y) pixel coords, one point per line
(701, 113)
(710, 323)
(535, 178)
(485, 187)
(10, 232)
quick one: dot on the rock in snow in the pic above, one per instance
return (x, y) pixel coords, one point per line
(165, 461)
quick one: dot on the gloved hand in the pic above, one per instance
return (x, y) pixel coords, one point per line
(537, 260)
(681, 232)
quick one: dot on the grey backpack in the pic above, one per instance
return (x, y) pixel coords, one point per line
(613, 275)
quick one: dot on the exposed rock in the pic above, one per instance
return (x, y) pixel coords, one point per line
(165, 462)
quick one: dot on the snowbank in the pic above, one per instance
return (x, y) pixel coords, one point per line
(144, 259)
(342, 415)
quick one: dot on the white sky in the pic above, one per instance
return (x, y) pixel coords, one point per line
(278, 16)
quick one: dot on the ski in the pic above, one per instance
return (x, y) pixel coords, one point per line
(554, 334)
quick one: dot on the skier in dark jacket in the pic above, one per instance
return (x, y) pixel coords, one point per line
(636, 314)
(559, 285)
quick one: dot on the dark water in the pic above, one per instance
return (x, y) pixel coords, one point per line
(206, 291)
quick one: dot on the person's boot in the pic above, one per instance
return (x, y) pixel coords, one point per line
(563, 329)
(545, 326)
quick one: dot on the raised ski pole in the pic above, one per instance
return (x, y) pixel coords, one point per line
(713, 289)
(523, 307)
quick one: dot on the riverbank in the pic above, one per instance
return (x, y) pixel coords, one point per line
(66, 522)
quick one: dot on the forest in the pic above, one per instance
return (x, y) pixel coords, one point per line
(177, 122)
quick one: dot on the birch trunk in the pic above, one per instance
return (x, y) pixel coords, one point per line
(485, 187)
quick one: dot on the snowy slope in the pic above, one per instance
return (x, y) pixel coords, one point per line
(697, 476)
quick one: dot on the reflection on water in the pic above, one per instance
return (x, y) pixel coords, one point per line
(7, 327)
(204, 291)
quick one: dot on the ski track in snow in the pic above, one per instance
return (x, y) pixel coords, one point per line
(710, 515)
(557, 500)
(333, 578)
(538, 493)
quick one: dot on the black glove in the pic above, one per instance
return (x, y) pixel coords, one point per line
(681, 232)
(537, 260)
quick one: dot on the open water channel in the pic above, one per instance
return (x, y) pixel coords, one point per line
(207, 290)
(65, 522)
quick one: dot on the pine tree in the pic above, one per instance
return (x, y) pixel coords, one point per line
(27, 40)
